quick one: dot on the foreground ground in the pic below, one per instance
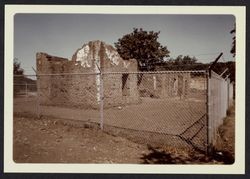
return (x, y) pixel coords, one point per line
(48, 140)
(226, 136)
(154, 116)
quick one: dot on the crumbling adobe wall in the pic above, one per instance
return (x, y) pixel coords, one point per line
(63, 90)
(85, 90)
(100, 56)
(48, 86)
(168, 85)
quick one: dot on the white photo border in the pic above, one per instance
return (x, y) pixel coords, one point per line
(237, 168)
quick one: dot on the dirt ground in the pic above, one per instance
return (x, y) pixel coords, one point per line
(226, 137)
(155, 115)
(51, 140)
(149, 119)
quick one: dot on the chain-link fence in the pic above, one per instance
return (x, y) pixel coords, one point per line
(220, 99)
(161, 108)
(157, 107)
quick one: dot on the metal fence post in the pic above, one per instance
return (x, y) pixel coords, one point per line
(228, 90)
(26, 90)
(101, 100)
(38, 99)
(208, 113)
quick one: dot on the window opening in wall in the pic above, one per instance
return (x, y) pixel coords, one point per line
(124, 84)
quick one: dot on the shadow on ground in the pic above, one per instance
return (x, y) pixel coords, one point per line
(159, 156)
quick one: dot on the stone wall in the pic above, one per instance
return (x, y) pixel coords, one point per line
(85, 90)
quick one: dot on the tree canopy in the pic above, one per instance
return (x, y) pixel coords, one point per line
(142, 46)
(233, 43)
(17, 67)
(183, 60)
(17, 70)
(181, 63)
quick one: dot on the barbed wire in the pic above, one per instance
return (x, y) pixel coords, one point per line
(125, 72)
(205, 54)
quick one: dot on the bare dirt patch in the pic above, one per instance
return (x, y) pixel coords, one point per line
(50, 140)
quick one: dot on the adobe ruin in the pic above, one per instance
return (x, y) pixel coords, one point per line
(167, 85)
(84, 90)
(77, 82)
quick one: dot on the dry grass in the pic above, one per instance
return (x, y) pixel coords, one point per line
(226, 136)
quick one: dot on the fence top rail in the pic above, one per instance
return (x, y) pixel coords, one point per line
(125, 72)
(158, 72)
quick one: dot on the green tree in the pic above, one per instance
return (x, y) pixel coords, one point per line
(234, 41)
(142, 46)
(17, 67)
(181, 63)
(186, 60)
(18, 75)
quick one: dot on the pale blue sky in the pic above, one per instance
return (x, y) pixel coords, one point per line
(62, 34)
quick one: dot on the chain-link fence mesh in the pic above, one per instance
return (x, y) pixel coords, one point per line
(25, 95)
(161, 108)
(220, 99)
(67, 96)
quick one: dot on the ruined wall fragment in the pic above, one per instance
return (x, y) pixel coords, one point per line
(84, 90)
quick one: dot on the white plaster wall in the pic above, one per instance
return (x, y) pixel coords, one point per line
(88, 57)
(83, 56)
(98, 77)
(113, 56)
